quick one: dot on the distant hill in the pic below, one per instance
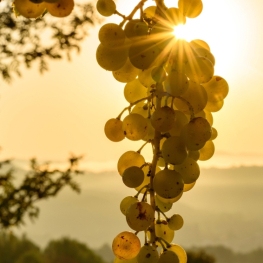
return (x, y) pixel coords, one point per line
(224, 208)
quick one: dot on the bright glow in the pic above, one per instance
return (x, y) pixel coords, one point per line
(182, 32)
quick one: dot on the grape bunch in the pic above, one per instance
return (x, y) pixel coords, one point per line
(172, 91)
(37, 8)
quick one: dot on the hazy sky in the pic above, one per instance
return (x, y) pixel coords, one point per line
(48, 116)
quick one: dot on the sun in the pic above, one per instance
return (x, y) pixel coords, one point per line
(181, 32)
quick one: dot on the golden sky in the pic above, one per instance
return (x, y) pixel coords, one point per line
(48, 116)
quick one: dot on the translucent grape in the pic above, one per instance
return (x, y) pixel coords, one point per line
(170, 200)
(203, 52)
(194, 155)
(214, 106)
(149, 12)
(106, 7)
(188, 187)
(158, 74)
(111, 58)
(126, 245)
(126, 203)
(129, 28)
(163, 119)
(195, 95)
(196, 133)
(128, 159)
(163, 231)
(168, 256)
(148, 254)
(175, 16)
(179, 251)
(134, 126)
(214, 134)
(180, 121)
(141, 108)
(141, 29)
(168, 183)
(190, 8)
(164, 207)
(126, 73)
(145, 77)
(113, 130)
(189, 170)
(207, 151)
(175, 222)
(133, 176)
(139, 216)
(199, 69)
(176, 83)
(144, 54)
(61, 8)
(28, 9)
(134, 91)
(111, 35)
(197, 43)
(217, 89)
(174, 150)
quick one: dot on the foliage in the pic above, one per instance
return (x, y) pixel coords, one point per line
(67, 250)
(40, 182)
(24, 41)
(199, 257)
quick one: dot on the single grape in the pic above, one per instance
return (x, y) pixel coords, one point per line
(113, 130)
(60, 8)
(139, 216)
(133, 176)
(28, 9)
(168, 256)
(175, 222)
(148, 254)
(126, 203)
(126, 245)
(106, 7)
(190, 8)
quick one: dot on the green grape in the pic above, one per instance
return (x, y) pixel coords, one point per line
(143, 54)
(197, 43)
(111, 35)
(203, 52)
(207, 151)
(28, 9)
(141, 108)
(147, 178)
(158, 74)
(194, 155)
(128, 159)
(179, 251)
(106, 7)
(214, 134)
(214, 106)
(60, 8)
(169, 256)
(163, 231)
(134, 91)
(195, 95)
(133, 176)
(150, 131)
(170, 200)
(164, 207)
(126, 73)
(140, 216)
(176, 83)
(141, 29)
(134, 126)
(111, 58)
(163, 119)
(190, 8)
(188, 187)
(217, 89)
(174, 150)
(199, 69)
(148, 254)
(189, 170)
(196, 133)
(149, 12)
(209, 117)
(168, 183)
(175, 16)
(129, 28)
(113, 130)
(118, 260)
(180, 121)
(175, 222)
(126, 203)
(126, 245)
(145, 77)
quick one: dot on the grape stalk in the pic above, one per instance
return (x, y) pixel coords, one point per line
(172, 92)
